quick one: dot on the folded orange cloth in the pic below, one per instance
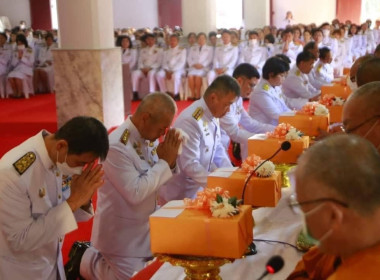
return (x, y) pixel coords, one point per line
(309, 125)
(175, 230)
(259, 191)
(264, 147)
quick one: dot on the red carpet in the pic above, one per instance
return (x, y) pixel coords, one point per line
(23, 118)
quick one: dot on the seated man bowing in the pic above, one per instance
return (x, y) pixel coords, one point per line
(135, 168)
(203, 152)
(338, 193)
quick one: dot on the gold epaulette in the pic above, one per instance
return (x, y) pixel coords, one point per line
(319, 68)
(266, 87)
(29, 50)
(24, 162)
(124, 137)
(298, 72)
(198, 113)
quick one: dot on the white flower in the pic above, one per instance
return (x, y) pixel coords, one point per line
(266, 170)
(223, 209)
(338, 101)
(293, 134)
(321, 110)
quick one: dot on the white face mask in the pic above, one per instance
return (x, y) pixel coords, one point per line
(65, 169)
(326, 32)
(21, 47)
(307, 235)
(252, 42)
(353, 86)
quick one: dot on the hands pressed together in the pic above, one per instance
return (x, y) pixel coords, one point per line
(168, 149)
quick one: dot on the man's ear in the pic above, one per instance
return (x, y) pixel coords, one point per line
(336, 216)
(61, 144)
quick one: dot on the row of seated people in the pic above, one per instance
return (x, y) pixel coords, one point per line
(206, 61)
(25, 69)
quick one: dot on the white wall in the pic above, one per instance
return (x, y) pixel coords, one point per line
(15, 10)
(135, 13)
(256, 13)
(198, 15)
(304, 11)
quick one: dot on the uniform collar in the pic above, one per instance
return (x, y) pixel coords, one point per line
(206, 111)
(134, 133)
(42, 151)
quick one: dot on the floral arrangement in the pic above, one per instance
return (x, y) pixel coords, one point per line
(217, 200)
(331, 100)
(313, 109)
(285, 131)
(253, 161)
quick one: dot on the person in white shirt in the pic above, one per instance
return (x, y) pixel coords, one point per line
(288, 21)
(296, 86)
(323, 69)
(43, 77)
(269, 41)
(203, 152)
(312, 47)
(225, 58)
(173, 67)
(136, 167)
(22, 69)
(5, 59)
(287, 47)
(46, 185)
(253, 53)
(199, 60)
(237, 125)
(266, 103)
(149, 62)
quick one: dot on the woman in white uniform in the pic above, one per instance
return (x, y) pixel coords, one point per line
(21, 77)
(267, 102)
(43, 78)
(199, 60)
(5, 58)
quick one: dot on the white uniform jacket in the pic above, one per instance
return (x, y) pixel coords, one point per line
(266, 104)
(202, 153)
(297, 85)
(226, 56)
(34, 216)
(202, 56)
(133, 175)
(129, 56)
(25, 64)
(150, 57)
(5, 59)
(174, 59)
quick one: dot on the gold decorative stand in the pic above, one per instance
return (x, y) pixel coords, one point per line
(284, 168)
(197, 268)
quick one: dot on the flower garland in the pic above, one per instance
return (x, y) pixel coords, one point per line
(217, 200)
(331, 100)
(285, 131)
(253, 161)
(313, 109)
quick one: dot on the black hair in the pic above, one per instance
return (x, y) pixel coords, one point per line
(304, 56)
(309, 46)
(253, 32)
(270, 38)
(84, 135)
(49, 35)
(323, 52)
(21, 38)
(223, 85)
(246, 70)
(315, 30)
(212, 34)
(284, 57)
(121, 38)
(4, 35)
(274, 65)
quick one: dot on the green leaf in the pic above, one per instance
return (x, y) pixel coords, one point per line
(219, 199)
(233, 201)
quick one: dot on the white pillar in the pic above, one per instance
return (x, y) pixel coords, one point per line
(198, 16)
(256, 13)
(87, 66)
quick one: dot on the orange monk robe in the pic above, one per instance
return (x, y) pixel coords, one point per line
(364, 265)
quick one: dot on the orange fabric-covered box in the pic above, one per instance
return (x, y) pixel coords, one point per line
(338, 90)
(175, 230)
(259, 191)
(308, 125)
(336, 113)
(265, 147)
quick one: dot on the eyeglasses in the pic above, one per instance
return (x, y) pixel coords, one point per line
(348, 131)
(295, 205)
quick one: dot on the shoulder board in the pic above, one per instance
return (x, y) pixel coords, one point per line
(124, 137)
(298, 73)
(29, 50)
(24, 162)
(266, 87)
(319, 67)
(198, 113)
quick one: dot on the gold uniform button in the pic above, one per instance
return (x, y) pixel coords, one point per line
(59, 196)
(57, 173)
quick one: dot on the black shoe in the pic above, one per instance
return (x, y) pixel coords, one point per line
(135, 96)
(75, 256)
(176, 97)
